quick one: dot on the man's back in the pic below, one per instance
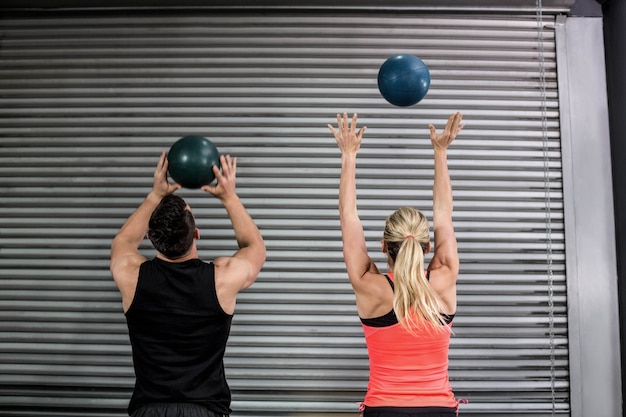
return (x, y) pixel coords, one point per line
(178, 308)
(178, 332)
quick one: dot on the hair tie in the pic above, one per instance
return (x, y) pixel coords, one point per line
(408, 236)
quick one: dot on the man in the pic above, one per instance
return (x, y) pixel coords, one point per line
(177, 307)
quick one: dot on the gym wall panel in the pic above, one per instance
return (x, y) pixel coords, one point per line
(89, 100)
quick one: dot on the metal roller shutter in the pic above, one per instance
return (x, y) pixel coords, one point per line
(88, 100)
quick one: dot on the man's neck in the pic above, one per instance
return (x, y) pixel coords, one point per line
(192, 254)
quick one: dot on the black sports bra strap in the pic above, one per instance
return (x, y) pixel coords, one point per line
(390, 318)
(389, 281)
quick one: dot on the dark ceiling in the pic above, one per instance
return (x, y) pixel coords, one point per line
(443, 5)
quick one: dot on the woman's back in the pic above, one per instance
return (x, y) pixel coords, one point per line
(408, 370)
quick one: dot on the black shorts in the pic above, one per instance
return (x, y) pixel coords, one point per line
(175, 410)
(409, 412)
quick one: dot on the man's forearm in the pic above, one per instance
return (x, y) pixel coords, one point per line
(246, 231)
(135, 228)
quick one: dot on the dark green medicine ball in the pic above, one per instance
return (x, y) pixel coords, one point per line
(191, 160)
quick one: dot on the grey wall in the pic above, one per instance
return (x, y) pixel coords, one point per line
(615, 52)
(595, 386)
(614, 17)
(586, 8)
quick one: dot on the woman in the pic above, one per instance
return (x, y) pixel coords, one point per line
(406, 314)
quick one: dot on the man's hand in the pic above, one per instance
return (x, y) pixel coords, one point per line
(226, 179)
(161, 186)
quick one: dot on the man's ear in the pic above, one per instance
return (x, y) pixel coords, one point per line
(196, 233)
(384, 246)
(428, 249)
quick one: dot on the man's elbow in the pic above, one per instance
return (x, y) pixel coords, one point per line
(260, 249)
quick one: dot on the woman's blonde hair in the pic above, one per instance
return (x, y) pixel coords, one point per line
(407, 238)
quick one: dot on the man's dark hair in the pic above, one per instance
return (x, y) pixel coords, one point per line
(171, 227)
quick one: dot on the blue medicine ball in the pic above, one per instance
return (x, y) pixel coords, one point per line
(403, 80)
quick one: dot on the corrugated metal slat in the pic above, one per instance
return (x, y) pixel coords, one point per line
(87, 102)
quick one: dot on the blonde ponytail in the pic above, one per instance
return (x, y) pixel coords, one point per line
(416, 304)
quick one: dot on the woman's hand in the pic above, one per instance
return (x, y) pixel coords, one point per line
(441, 141)
(348, 139)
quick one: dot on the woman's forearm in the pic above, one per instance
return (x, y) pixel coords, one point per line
(347, 186)
(442, 189)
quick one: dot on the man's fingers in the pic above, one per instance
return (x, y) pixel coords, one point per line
(162, 160)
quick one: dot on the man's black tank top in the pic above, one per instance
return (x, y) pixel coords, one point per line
(178, 333)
